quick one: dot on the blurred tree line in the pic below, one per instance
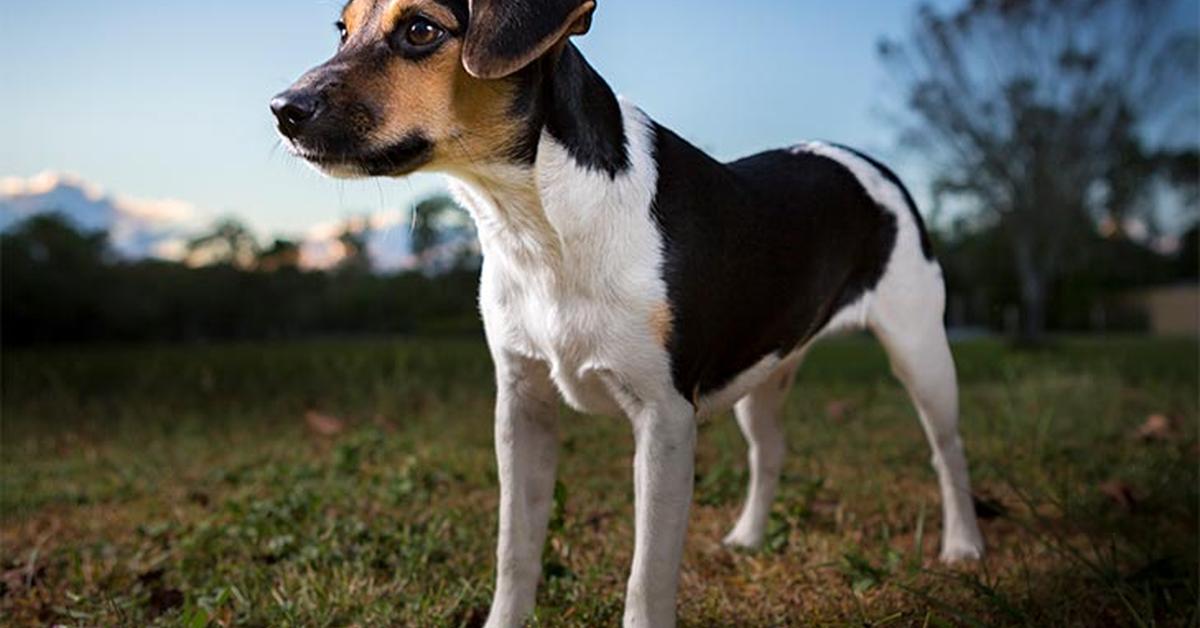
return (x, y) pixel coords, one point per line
(984, 286)
(58, 285)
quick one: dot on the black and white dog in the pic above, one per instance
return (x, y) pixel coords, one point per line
(627, 271)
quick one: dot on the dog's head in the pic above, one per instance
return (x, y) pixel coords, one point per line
(425, 84)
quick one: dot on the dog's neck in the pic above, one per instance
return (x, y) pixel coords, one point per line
(581, 111)
(577, 132)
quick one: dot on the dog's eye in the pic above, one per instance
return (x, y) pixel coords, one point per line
(422, 33)
(342, 32)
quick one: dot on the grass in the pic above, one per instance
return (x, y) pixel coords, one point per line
(183, 487)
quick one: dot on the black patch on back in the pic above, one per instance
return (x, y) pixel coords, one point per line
(759, 254)
(926, 243)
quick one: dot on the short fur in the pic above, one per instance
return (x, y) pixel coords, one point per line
(626, 272)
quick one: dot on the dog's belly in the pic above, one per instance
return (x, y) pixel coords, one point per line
(586, 392)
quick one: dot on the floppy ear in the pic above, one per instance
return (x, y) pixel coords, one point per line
(504, 36)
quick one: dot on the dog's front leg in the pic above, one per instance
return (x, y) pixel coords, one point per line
(663, 467)
(526, 453)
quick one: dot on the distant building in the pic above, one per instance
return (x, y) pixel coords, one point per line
(1168, 310)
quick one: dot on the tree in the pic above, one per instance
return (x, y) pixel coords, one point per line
(282, 255)
(1043, 117)
(50, 284)
(427, 218)
(230, 243)
(1187, 262)
(443, 236)
(355, 239)
(50, 238)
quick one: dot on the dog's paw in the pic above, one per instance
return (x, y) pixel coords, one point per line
(741, 539)
(961, 551)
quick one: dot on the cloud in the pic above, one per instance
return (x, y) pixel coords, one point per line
(138, 228)
(161, 228)
(388, 241)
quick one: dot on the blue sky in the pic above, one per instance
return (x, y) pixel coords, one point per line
(168, 99)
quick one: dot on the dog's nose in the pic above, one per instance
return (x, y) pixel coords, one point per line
(293, 110)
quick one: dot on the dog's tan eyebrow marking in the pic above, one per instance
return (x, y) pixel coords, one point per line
(355, 13)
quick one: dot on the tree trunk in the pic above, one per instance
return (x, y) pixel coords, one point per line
(1033, 295)
(1033, 311)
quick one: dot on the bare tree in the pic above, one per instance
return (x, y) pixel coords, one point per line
(229, 243)
(282, 255)
(1046, 116)
(442, 235)
(355, 239)
(426, 226)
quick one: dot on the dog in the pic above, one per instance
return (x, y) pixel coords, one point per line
(627, 272)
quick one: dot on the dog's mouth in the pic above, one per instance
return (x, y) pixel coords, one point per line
(398, 159)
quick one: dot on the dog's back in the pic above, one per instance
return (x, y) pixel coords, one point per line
(798, 236)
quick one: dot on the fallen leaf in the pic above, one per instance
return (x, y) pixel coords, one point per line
(839, 410)
(200, 498)
(1158, 427)
(384, 423)
(824, 507)
(324, 424)
(1121, 493)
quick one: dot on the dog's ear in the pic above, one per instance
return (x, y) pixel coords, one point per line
(504, 36)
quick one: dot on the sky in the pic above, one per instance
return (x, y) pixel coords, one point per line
(168, 99)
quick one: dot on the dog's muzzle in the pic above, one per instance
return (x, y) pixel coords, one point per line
(294, 110)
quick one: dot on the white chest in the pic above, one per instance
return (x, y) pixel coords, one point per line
(589, 335)
(572, 271)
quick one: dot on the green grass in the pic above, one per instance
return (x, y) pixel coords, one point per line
(181, 486)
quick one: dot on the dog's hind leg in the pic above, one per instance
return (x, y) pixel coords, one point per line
(758, 414)
(907, 319)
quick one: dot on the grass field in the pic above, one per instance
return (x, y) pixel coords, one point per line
(185, 486)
